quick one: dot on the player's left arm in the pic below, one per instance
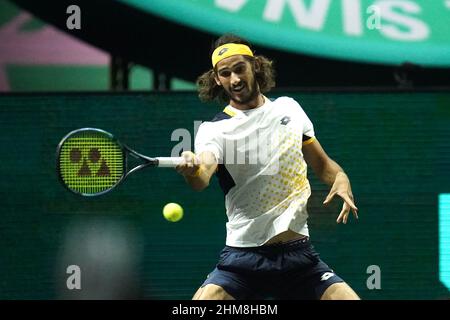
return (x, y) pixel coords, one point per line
(333, 175)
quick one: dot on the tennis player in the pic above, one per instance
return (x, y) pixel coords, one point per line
(260, 149)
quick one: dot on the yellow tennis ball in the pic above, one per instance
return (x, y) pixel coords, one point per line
(173, 212)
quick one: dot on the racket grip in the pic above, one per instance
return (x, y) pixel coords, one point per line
(169, 162)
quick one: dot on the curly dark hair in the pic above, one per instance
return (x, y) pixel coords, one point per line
(208, 90)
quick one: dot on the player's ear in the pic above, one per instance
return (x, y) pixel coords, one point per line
(216, 78)
(257, 65)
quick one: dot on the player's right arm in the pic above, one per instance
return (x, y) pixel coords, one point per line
(197, 170)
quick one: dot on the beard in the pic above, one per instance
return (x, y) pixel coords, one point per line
(251, 95)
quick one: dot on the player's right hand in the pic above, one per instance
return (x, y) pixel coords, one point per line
(190, 165)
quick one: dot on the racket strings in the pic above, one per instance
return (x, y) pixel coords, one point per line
(91, 163)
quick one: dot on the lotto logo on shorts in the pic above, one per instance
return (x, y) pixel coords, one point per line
(326, 276)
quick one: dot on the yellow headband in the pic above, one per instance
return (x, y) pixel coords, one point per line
(228, 50)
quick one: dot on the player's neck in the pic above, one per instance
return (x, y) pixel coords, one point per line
(253, 104)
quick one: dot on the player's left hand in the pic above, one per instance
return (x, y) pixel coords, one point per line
(342, 188)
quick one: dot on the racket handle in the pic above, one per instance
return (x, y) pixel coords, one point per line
(169, 162)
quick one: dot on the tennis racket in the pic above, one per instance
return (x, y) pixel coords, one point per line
(91, 162)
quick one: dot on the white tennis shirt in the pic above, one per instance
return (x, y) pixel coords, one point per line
(261, 168)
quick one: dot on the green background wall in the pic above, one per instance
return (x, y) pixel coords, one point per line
(394, 147)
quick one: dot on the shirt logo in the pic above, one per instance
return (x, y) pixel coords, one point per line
(326, 276)
(285, 120)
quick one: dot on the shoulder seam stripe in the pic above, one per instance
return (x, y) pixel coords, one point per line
(229, 112)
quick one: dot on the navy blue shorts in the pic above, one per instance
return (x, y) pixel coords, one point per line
(291, 270)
